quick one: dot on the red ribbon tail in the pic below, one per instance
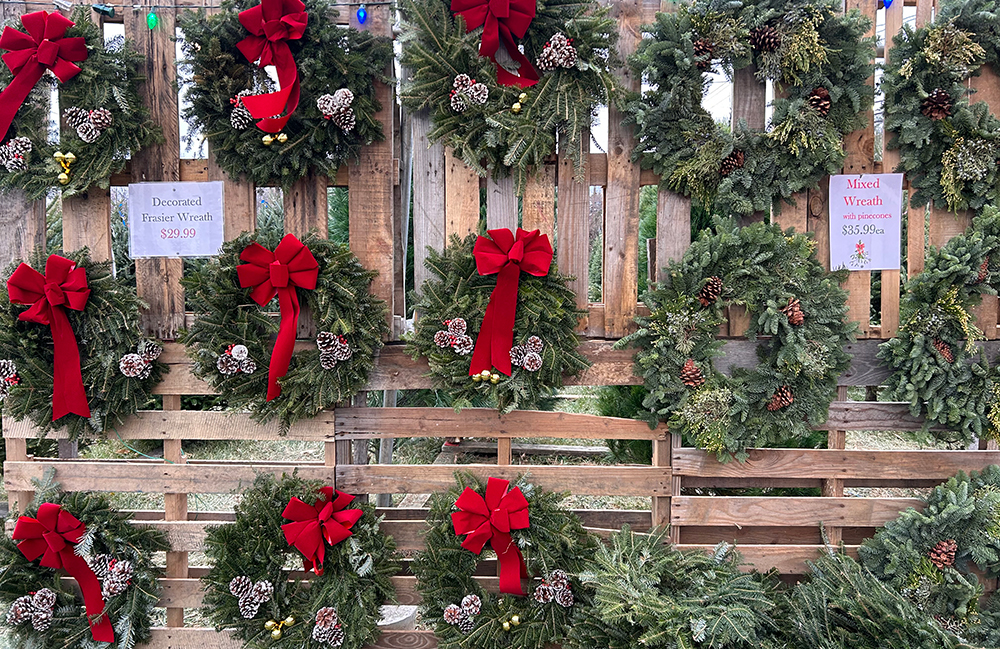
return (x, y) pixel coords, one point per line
(100, 625)
(496, 335)
(281, 355)
(526, 76)
(511, 564)
(68, 394)
(14, 95)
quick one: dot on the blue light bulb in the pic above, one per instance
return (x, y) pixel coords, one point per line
(887, 3)
(362, 15)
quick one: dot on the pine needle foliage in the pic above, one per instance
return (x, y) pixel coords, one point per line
(108, 79)
(819, 47)
(762, 269)
(491, 138)
(355, 580)
(328, 57)
(108, 532)
(226, 315)
(556, 540)
(106, 330)
(545, 308)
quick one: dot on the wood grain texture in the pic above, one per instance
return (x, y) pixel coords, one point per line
(573, 237)
(987, 89)
(461, 197)
(86, 223)
(859, 288)
(501, 204)
(787, 559)
(889, 294)
(428, 196)
(747, 511)
(538, 206)
(239, 206)
(860, 145)
(792, 215)
(673, 228)
(305, 206)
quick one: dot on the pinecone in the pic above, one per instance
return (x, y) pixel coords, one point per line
(248, 366)
(478, 93)
(326, 617)
(101, 118)
(342, 351)
(782, 397)
(463, 345)
(11, 156)
(327, 360)
(731, 163)
(21, 145)
(819, 99)
(147, 369)
(517, 354)
(452, 613)
(937, 105)
(444, 339)
(101, 564)
(710, 292)
(532, 361)
(471, 604)
(325, 340)
(943, 553)
(466, 624)
(20, 610)
(944, 349)
(239, 352)
(8, 369)
(691, 376)
(240, 586)
(336, 636)
(88, 132)
(984, 271)
(457, 326)
(131, 365)
(534, 344)
(118, 579)
(337, 108)
(240, 118)
(564, 597)
(558, 53)
(227, 365)
(558, 579)
(544, 593)
(4, 390)
(703, 52)
(765, 39)
(457, 101)
(148, 350)
(325, 104)
(794, 312)
(76, 117)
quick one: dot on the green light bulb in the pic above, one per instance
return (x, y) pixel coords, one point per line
(152, 20)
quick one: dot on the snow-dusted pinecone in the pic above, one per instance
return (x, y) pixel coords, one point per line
(457, 101)
(984, 271)
(148, 350)
(731, 163)
(819, 99)
(14, 154)
(76, 117)
(443, 339)
(545, 593)
(478, 93)
(227, 365)
(517, 354)
(782, 397)
(239, 352)
(325, 340)
(118, 579)
(44, 599)
(710, 292)
(261, 592)
(327, 360)
(20, 610)
(943, 553)
(794, 312)
(325, 104)
(147, 369)
(88, 132)
(462, 82)
(457, 326)
(240, 586)
(326, 622)
(452, 613)
(466, 90)
(532, 361)
(336, 636)
(248, 607)
(342, 351)
(101, 118)
(4, 390)
(248, 366)
(8, 369)
(471, 604)
(938, 104)
(463, 345)
(240, 118)
(101, 564)
(558, 53)
(20, 145)
(765, 39)
(944, 349)
(564, 597)
(534, 344)
(131, 365)
(337, 108)
(466, 624)
(703, 51)
(691, 376)
(558, 579)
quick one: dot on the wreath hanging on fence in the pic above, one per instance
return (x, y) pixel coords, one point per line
(496, 325)
(280, 522)
(75, 357)
(231, 337)
(818, 56)
(503, 83)
(792, 302)
(111, 561)
(104, 121)
(531, 538)
(318, 116)
(947, 145)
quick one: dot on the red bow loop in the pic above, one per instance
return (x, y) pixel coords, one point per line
(325, 522)
(491, 519)
(51, 536)
(502, 21)
(30, 55)
(64, 286)
(505, 255)
(278, 273)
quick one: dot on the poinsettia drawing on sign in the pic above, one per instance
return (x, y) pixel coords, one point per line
(860, 258)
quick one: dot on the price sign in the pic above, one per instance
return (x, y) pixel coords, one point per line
(175, 219)
(865, 221)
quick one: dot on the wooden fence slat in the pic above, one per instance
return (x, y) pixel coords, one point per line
(788, 559)
(538, 207)
(86, 223)
(745, 511)
(429, 190)
(673, 228)
(461, 197)
(573, 236)
(305, 206)
(501, 203)
(207, 638)
(239, 205)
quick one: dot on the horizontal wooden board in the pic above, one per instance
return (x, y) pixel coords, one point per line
(745, 511)
(204, 638)
(474, 447)
(787, 559)
(872, 415)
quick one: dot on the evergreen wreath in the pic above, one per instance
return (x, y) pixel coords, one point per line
(947, 145)
(506, 129)
(119, 365)
(792, 301)
(452, 305)
(230, 340)
(338, 68)
(936, 367)
(251, 586)
(105, 122)
(42, 612)
(818, 57)
(555, 548)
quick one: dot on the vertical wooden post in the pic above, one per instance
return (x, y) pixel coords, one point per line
(428, 196)
(239, 200)
(504, 454)
(385, 447)
(17, 451)
(661, 504)
(573, 225)
(538, 207)
(675, 488)
(461, 197)
(673, 228)
(175, 509)
(501, 203)
(749, 105)
(834, 487)
(86, 221)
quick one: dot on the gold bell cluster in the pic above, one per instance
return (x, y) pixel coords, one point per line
(486, 375)
(521, 99)
(64, 160)
(269, 139)
(276, 628)
(515, 620)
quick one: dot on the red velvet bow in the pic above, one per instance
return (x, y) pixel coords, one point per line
(269, 273)
(324, 520)
(491, 519)
(501, 20)
(52, 536)
(30, 55)
(530, 252)
(272, 24)
(64, 286)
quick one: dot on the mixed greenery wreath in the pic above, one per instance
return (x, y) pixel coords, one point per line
(119, 366)
(553, 547)
(250, 587)
(818, 56)
(230, 339)
(105, 121)
(947, 145)
(791, 300)
(493, 123)
(338, 68)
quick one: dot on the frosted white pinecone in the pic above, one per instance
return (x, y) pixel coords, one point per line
(452, 613)
(118, 579)
(20, 610)
(14, 154)
(532, 362)
(101, 118)
(76, 117)
(147, 369)
(443, 339)
(544, 593)
(564, 597)
(463, 345)
(227, 365)
(325, 340)
(132, 365)
(240, 118)
(261, 592)
(466, 624)
(457, 326)
(342, 351)
(327, 360)
(240, 586)
(88, 132)
(534, 344)
(478, 93)
(248, 366)
(100, 564)
(8, 369)
(337, 108)
(458, 102)
(517, 354)
(149, 351)
(4, 390)
(558, 579)
(558, 53)
(471, 604)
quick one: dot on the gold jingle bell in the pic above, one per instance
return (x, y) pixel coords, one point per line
(276, 634)
(506, 626)
(516, 108)
(58, 155)
(485, 374)
(267, 139)
(523, 97)
(494, 378)
(281, 137)
(515, 619)
(270, 624)
(63, 178)
(69, 157)
(289, 621)
(476, 378)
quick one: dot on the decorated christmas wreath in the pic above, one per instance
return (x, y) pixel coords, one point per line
(504, 80)
(320, 113)
(280, 522)
(111, 560)
(531, 538)
(497, 320)
(75, 357)
(947, 146)
(104, 121)
(794, 305)
(936, 367)
(230, 339)
(820, 60)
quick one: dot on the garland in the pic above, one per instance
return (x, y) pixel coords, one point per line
(42, 611)
(453, 306)
(334, 69)
(117, 366)
(250, 589)
(789, 298)
(818, 56)
(230, 339)
(946, 144)
(106, 122)
(498, 122)
(552, 545)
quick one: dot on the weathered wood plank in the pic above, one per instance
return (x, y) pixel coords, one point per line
(461, 197)
(206, 638)
(573, 237)
(305, 206)
(428, 195)
(787, 559)
(86, 223)
(872, 415)
(239, 199)
(673, 227)
(745, 511)
(490, 448)
(501, 204)
(538, 207)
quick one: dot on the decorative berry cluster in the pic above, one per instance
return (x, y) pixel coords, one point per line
(555, 588)
(37, 607)
(8, 377)
(251, 595)
(14, 154)
(236, 359)
(528, 355)
(454, 336)
(139, 365)
(240, 118)
(115, 575)
(332, 349)
(337, 108)
(89, 124)
(328, 628)
(463, 616)
(558, 53)
(465, 91)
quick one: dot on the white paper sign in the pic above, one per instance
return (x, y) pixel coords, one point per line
(865, 221)
(175, 219)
